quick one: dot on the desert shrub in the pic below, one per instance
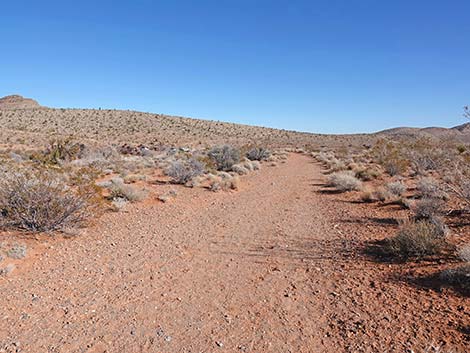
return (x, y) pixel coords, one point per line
(120, 191)
(457, 182)
(421, 162)
(240, 169)
(182, 172)
(368, 195)
(60, 150)
(395, 166)
(258, 154)
(324, 157)
(223, 181)
(336, 165)
(344, 181)
(396, 188)
(41, 201)
(424, 155)
(428, 208)
(403, 202)
(464, 253)
(224, 157)
(429, 187)
(255, 165)
(367, 174)
(390, 157)
(461, 148)
(458, 277)
(416, 239)
(382, 194)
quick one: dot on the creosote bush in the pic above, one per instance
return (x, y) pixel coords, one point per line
(182, 172)
(416, 239)
(224, 157)
(40, 201)
(58, 151)
(344, 181)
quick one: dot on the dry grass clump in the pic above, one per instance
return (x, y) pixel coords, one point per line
(223, 182)
(367, 174)
(182, 172)
(40, 201)
(344, 181)
(246, 166)
(240, 169)
(224, 157)
(118, 191)
(416, 239)
(368, 195)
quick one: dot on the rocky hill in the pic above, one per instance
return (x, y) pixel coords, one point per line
(17, 102)
(459, 133)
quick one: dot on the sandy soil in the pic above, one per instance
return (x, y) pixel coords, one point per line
(274, 267)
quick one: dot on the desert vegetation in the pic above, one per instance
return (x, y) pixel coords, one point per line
(428, 182)
(155, 172)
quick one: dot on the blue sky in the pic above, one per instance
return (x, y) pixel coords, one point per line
(330, 66)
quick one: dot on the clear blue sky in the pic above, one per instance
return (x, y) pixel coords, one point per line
(328, 66)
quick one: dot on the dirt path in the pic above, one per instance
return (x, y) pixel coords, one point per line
(265, 269)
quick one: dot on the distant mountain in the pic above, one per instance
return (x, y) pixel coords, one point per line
(460, 132)
(17, 102)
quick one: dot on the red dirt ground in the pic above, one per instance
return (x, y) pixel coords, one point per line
(274, 267)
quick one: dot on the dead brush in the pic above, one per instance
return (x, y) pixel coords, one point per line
(40, 201)
(428, 208)
(258, 154)
(429, 187)
(396, 188)
(182, 172)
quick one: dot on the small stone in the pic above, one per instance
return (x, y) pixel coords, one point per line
(7, 270)
(160, 332)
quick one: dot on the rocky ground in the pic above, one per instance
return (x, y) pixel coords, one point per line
(277, 266)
